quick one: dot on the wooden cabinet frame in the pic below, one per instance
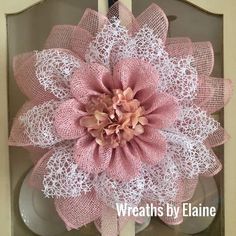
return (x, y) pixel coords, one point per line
(225, 7)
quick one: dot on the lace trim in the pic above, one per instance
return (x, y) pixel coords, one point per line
(39, 124)
(64, 178)
(54, 68)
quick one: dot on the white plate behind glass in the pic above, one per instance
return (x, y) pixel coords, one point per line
(206, 194)
(38, 212)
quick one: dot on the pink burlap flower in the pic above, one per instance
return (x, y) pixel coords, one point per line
(121, 114)
(115, 118)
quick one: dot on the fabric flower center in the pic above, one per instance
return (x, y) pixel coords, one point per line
(114, 119)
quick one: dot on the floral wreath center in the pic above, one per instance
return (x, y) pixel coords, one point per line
(114, 119)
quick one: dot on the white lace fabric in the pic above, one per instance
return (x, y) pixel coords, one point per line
(54, 67)
(39, 124)
(113, 43)
(64, 178)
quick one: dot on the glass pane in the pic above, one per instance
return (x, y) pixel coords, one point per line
(27, 31)
(186, 20)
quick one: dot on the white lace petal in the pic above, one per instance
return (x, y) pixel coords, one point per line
(190, 156)
(161, 181)
(112, 192)
(178, 77)
(64, 178)
(106, 43)
(195, 123)
(54, 67)
(38, 124)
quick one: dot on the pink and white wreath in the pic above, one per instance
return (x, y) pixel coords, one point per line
(122, 114)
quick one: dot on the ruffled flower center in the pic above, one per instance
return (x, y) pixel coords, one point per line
(114, 119)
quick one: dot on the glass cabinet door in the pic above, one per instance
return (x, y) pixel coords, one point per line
(27, 31)
(186, 20)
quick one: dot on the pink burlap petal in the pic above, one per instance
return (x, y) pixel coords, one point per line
(60, 37)
(39, 170)
(120, 11)
(24, 73)
(188, 189)
(201, 51)
(154, 17)
(79, 211)
(177, 40)
(92, 21)
(90, 156)
(109, 222)
(151, 146)
(204, 57)
(67, 117)
(90, 79)
(205, 91)
(121, 222)
(161, 110)
(170, 218)
(19, 60)
(80, 41)
(17, 135)
(90, 24)
(35, 153)
(219, 137)
(136, 74)
(145, 94)
(221, 92)
(125, 163)
(180, 50)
